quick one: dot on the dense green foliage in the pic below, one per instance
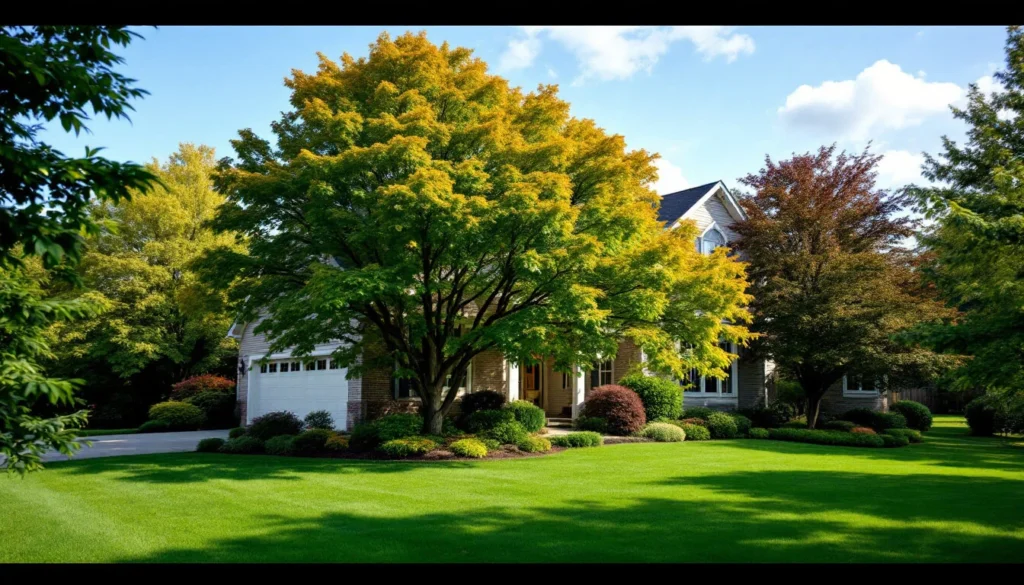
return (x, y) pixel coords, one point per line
(619, 406)
(507, 433)
(280, 445)
(996, 413)
(368, 435)
(820, 437)
(155, 426)
(663, 432)
(578, 439)
(180, 416)
(839, 425)
(468, 448)
(889, 440)
(319, 419)
(484, 420)
(236, 432)
(695, 432)
(759, 433)
(662, 398)
(273, 424)
(219, 408)
(210, 445)
(879, 421)
(482, 400)
(243, 445)
(336, 443)
(722, 426)
(918, 415)
(701, 412)
(912, 435)
(534, 444)
(407, 447)
(743, 424)
(772, 416)
(311, 442)
(527, 414)
(590, 423)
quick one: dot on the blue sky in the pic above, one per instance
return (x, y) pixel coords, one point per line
(713, 101)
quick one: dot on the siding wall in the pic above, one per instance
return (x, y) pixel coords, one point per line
(833, 402)
(713, 210)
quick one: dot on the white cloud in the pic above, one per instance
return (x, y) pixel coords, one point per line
(670, 178)
(898, 168)
(618, 52)
(552, 73)
(988, 85)
(882, 97)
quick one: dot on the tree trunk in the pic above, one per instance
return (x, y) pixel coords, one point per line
(433, 417)
(813, 407)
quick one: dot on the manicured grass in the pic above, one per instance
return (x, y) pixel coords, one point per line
(952, 498)
(102, 432)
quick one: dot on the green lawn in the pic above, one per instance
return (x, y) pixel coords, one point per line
(953, 498)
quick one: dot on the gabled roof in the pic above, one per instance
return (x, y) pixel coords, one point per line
(675, 205)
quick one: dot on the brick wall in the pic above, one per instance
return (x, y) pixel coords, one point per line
(489, 372)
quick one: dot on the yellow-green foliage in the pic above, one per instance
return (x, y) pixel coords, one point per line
(407, 447)
(337, 443)
(534, 444)
(468, 448)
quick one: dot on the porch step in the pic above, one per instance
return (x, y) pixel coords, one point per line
(557, 422)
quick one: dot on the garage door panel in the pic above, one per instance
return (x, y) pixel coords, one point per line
(300, 392)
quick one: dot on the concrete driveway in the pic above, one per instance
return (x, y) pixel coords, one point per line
(141, 444)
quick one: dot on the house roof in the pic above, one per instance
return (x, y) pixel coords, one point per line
(675, 205)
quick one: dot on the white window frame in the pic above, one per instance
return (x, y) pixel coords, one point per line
(860, 391)
(601, 371)
(734, 379)
(711, 228)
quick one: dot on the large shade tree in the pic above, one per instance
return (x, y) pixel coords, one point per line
(831, 282)
(975, 243)
(418, 204)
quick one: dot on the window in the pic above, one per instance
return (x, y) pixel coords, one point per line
(310, 366)
(295, 366)
(697, 385)
(604, 372)
(321, 364)
(565, 380)
(263, 368)
(858, 385)
(711, 239)
(272, 367)
(335, 365)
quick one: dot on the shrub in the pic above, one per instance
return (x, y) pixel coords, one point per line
(758, 433)
(696, 432)
(319, 419)
(985, 415)
(695, 421)
(578, 439)
(862, 417)
(336, 443)
(205, 383)
(469, 448)
(894, 440)
(798, 423)
(273, 424)
(491, 444)
(889, 420)
(534, 444)
(179, 416)
(819, 437)
(407, 447)
(590, 423)
(154, 426)
(663, 432)
(482, 400)
(863, 430)
(701, 412)
(773, 416)
(210, 445)
(722, 426)
(743, 424)
(280, 445)
(242, 445)
(918, 416)
(662, 398)
(839, 425)
(311, 442)
(618, 405)
(527, 414)
(507, 433)
(484, 420)
(236, 432)
(912, 435)
(219, 408)
(369, 435)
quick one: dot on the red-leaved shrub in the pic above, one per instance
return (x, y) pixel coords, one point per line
(205, 383)
(618, 405)
(863, 431)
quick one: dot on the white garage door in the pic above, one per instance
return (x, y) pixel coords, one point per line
(299, 387)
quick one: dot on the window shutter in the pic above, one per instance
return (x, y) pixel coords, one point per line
(595, 376)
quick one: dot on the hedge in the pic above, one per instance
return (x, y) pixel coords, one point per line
(179, 416)
(319, 419)
(758, 433)
(210, 445)
(280, 445)
(527, 414)
(485, 420)
(240, 445)
(819, 437)
(662, 398)
(578, 439)
(912, 435)
(272, 424)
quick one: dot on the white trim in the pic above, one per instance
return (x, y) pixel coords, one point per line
(734, 381)
(611, 371)
(713, 226)
(232, 328)
(288, 356)
(858, 392)
(731, 205)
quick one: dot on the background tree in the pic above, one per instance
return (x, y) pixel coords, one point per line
(49, 72)
(975, 245)
(417, 202)
(161, 324)
(830, 281)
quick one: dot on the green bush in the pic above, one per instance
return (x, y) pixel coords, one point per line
(701, 412)
(218, 407)
(280, 445)
(481, 400)
(820, 437)
(236, 432)
(663, 432)
(273, 424)
(862, 417)
(578, 439)
(336, 443)
(311, 442)
(319, 419)
(210, 445)
(534, 444)
(912, 435)
(893, 440)
(839, 425)
(696, 432)
(800, 423)
(662, 398)
(918, 416)
(889, 420)
(468, 448)
(368, 436)
(771, 417)
(758, 433)
(722, 426)
(242, 445)
(180, 416)
(407, 447)
(986, 416)
(527, 414)
(154, 426)
(590, 423)
(491, 444)
(507, 433)
(743, 424)
(484, 420)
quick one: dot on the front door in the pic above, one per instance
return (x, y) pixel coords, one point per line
(531, 383)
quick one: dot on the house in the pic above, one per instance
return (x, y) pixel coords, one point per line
(317, 383)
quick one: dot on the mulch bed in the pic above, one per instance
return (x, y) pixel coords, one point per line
(505, 452)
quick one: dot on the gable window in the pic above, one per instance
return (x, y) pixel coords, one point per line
(604, 372)
(697, 385)
(858, 385)
(711, 239)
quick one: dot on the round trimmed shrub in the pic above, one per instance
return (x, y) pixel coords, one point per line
(722, 426)
(398, 426)
(319, 419)
(507, 433)
(527, 414)
(534, 444)
(578, 439)
(918, 416)
(662, 398)
(863, 431)
(180, 416)
(590, 423)
(469, 448)
(242, 445)
(311, 442)
(273, 424)
(701, 412)
(663, 432)
(280, 445)
(894, 441)
(219, 408)
(482, 421)
(985, 415)
(912, 435)
(490, 443)
(236, 432)
(407, 447)
(696, 432)
(204, 383)
(618, 405)
(889, 420)
(210, 445)
(758, 433)
(743, 424)
(839, 425)
(154, 426)
(337, 442)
